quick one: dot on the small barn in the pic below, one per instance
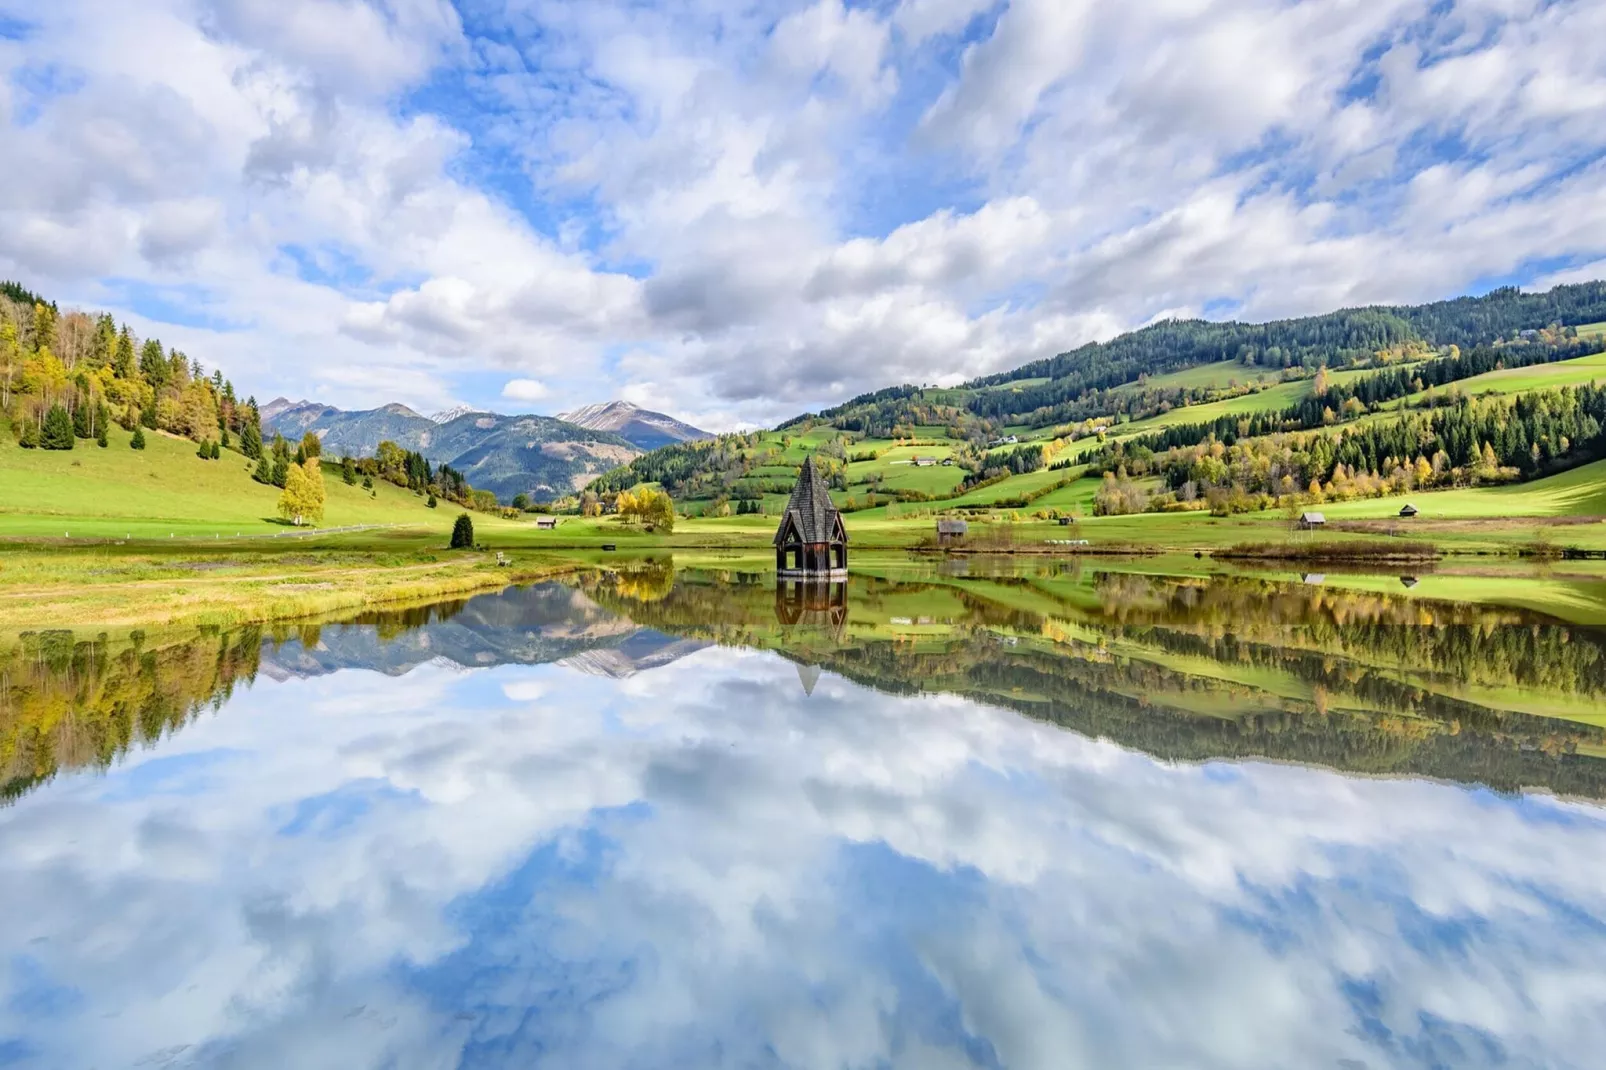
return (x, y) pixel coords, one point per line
(546, 523)
(925, 462)
(1310, 520)
(950, 532)
(811, 540)
(1408, 511)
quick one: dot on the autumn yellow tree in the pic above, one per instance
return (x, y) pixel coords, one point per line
(301, 501)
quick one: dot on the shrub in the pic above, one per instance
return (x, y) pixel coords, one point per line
(463, 533)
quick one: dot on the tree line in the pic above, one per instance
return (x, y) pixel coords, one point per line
(65, 377)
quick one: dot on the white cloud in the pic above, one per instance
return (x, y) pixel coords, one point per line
(719, 190)
(525, 390)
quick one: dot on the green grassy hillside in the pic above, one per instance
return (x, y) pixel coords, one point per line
(1580, 492)
(167, 490)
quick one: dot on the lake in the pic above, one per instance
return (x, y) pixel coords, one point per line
(963, 815)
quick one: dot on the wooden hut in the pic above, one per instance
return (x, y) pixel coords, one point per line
(1310, 520)
(811, 540)
(950, 532)
(1408, 511)
(546, 523)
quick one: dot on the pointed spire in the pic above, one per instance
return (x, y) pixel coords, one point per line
(808, 676)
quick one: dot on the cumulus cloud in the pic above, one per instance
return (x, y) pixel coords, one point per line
(619, 197)
(525, 390)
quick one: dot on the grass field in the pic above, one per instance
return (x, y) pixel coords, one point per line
(1580, 492)
(166, 490)
(1562, 373)
(1218, 376)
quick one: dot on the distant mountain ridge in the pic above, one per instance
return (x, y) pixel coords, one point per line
(645, 428)
(540, 456)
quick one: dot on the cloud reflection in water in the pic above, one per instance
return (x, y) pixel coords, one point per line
(700, 865)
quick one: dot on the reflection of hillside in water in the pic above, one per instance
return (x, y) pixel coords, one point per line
(1183, 669)
(519, 626)
(1207, 668)
(67, 702)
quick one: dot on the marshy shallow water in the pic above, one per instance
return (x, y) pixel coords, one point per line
(1038, 817)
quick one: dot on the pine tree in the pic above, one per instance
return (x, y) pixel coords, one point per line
(251, 440)
(123, 358)
(29, 439)
(432, 503)
(348, 471)
(281, 470)
(463, 533)
(225, 442)
(205, 451)
(264, 472)
(81, 420)
(153, 365)
(57, 433)
(147, 417)
(100, 436)
(138, 441)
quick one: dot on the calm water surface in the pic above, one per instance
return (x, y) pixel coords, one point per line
(1057, 819)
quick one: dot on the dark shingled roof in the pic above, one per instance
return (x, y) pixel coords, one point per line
(810, 506)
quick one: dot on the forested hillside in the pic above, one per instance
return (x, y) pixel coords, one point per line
(1192, 414)
(1076, 385)
(68, 379)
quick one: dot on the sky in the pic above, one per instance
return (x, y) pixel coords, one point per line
(734, 211)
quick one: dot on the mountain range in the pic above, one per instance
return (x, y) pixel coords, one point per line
(542, 456)
(645, 428)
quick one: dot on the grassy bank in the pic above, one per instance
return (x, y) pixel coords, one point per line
(117, 588)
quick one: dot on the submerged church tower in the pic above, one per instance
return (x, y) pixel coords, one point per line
(811, 541)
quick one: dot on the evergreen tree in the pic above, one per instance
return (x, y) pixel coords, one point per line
(281, 470)
(264, 472)
(153, 364)
(463, 533)
(251, 440)
(81, 422)
(29, 439)
(311, 446)
(100, 437)
(348, 471)
(147, 416)
(225, 442)
(432, 503)
(123, 355)
(367, 482)
(138, 441)
(57, 433)
(205, 451)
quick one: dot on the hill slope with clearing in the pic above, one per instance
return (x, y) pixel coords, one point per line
(165, 489)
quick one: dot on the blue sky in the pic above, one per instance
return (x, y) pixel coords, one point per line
(736, 210)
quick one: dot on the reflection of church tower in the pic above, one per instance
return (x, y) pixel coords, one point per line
(813, 603)
(808, 676)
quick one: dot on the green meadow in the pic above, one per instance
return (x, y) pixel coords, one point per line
(166, 490)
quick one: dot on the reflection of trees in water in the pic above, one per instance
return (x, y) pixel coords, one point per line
(82, 703)
(68, 703)
(1366, 707)
(1456, 642)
